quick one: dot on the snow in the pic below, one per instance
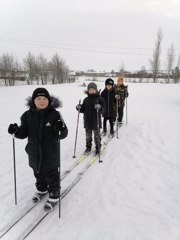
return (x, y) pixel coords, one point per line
(133, 195)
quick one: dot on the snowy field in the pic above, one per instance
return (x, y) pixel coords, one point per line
(133, 195)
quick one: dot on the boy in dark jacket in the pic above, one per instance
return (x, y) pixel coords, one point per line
(121, 91)
(43, 125)
(92, 107)
(110, 114)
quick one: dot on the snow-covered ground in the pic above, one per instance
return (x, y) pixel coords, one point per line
(133, 195)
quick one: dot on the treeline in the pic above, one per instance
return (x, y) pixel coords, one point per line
(172, 77)
(34, 69)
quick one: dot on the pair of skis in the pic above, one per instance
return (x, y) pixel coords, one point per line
(78, 177)
(43, 214)
(26, 210)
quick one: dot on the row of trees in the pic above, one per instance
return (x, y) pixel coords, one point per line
(56, 71)
(33, 68)
(172, 70)
(155, 61)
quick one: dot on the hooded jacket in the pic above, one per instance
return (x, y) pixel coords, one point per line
(122, 91)
(90, 113)
(43, 142)
(110, 101)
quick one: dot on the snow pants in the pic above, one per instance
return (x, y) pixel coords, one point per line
(111, 122)
(48, 180)
(97, 138)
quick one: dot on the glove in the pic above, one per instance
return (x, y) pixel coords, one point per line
(97, 106)
(117, 96)
(13, 128)
(59, 126)
(126, 94)
(78, 107)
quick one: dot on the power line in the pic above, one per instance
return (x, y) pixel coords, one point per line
(79, 49)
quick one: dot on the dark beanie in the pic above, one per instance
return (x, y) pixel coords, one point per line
(92, 85)
(41, 92)
(109, 81)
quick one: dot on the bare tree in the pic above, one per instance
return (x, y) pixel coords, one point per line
(155, 61)
(4, 68)
(176, 72)
(42, 64)
(121, 70)
(9, 68)
(31, 66)
(170, 61)
(142, 74)
(178, 62)
(59, 69)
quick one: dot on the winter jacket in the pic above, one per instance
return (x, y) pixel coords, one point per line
(90, 113)
(122, 91)
(110, 101)
(43, 142)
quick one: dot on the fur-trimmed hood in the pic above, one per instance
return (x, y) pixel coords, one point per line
(54, 103)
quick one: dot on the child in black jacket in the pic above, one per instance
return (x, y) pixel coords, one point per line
(43, 125)
(110, 114)
(92, 107)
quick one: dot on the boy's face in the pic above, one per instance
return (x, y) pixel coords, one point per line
(120, 81)
(41, 102)
(109, 86)
(92, 91)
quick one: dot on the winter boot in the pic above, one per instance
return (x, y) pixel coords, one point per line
(104, 133)
(38, 196)
(88, 150)
(51, 202)
(97, 152)
(111, 133)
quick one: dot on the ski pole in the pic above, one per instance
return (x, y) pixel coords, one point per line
(126, 113)
(14, 161)
(98, 129)
(117, 106)
(59, 171)
(74, 156)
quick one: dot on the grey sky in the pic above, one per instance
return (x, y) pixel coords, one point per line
(98, 34)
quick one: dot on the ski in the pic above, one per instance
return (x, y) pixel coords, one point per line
(78, 177)
(75, 164)
(26, 210)
(17, 218)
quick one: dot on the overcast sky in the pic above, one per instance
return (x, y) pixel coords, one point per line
(98, 34)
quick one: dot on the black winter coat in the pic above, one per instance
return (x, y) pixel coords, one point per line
(110, 102)
(43, 142)
(90, 113)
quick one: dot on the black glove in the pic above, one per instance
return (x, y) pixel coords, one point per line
(78, 107)
(126, 94)
(13, 128)
(97, 106)
(59, 126)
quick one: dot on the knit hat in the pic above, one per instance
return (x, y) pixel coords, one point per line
(41, 92)
(109, 81)
(92, 85)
